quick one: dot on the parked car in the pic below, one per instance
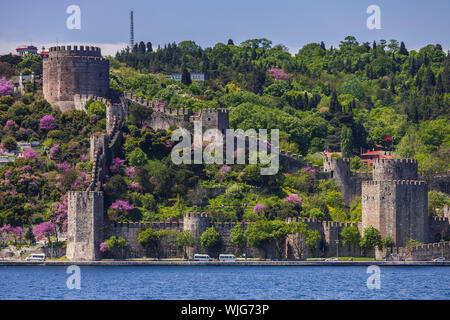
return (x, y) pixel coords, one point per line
(332, 259)
(36, 257)
(440, 259)
(202, 257)
(227, 258)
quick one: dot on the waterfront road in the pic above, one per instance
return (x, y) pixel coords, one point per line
(219, 263)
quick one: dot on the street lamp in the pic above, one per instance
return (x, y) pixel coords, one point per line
(442, 246)
(337, 248)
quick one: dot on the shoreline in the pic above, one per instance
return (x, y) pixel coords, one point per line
(220, 263)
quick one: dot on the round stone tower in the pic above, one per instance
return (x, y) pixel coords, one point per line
(74, 70)
(395, 169)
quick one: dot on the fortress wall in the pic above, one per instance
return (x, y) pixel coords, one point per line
(130, 232)
(439, 228)
(425, 252)
(411, 208)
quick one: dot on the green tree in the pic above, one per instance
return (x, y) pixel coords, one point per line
(436, 202)
(210, 238)
(346, 141)
(302, 238)
(186, 77)
(237, 237)
(370, 239)
(261, 234)
(350, 235)
(9, 143)
(185, 240)
(137, 158)
(150, 239)
(96, 107)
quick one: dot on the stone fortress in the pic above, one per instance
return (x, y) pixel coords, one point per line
(393, 200)
(71, 70)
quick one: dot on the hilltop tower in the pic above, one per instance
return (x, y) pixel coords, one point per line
(339, 170)
(395, 202)
(196, 223)
(213, 119)
(68, 71)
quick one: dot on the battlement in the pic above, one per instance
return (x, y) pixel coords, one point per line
(286, 153)
(400, 161)
(75, 51)
(156, 105)
(196, 215)
(395, 169)
(337, 160)
(440, 220)
(429, 246)
(397, 182)
(145, 225)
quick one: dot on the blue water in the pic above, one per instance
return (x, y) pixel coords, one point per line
(224, 282)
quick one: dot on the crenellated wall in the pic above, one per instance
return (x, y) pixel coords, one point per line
(71, 70)
(424, 252)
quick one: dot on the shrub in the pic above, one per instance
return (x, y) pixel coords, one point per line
(210, 238)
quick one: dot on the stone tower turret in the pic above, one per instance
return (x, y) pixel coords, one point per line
(68, 71)
(85, 225)
(196, 223)
(395, 202)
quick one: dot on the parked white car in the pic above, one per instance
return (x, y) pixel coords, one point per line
(332, 259)
(227, 258)
(202, 257)
(36, 257)
(440, 259)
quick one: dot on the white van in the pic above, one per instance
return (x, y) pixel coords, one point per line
(36, 257)
(227, 257)
(202, 257)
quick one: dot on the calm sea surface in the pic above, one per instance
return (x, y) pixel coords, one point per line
(224, 282)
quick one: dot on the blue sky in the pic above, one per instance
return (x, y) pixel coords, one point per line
(293, 23)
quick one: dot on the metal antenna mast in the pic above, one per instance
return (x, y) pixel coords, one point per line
(131, 29)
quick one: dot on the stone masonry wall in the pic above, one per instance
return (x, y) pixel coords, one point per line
(68, 71)
(85, 225)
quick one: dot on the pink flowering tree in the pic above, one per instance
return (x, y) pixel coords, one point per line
(47, 123)
(5, 87)
(259, 208)
(29, 153)
(293, 199)
(45, 230)
(59, 214)
(222, 174)
(130, 172)
(116, 164)
(53, 151)
(103, 247)
(11, 127)
(10, 235)
(278, 74)
(119, 210)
